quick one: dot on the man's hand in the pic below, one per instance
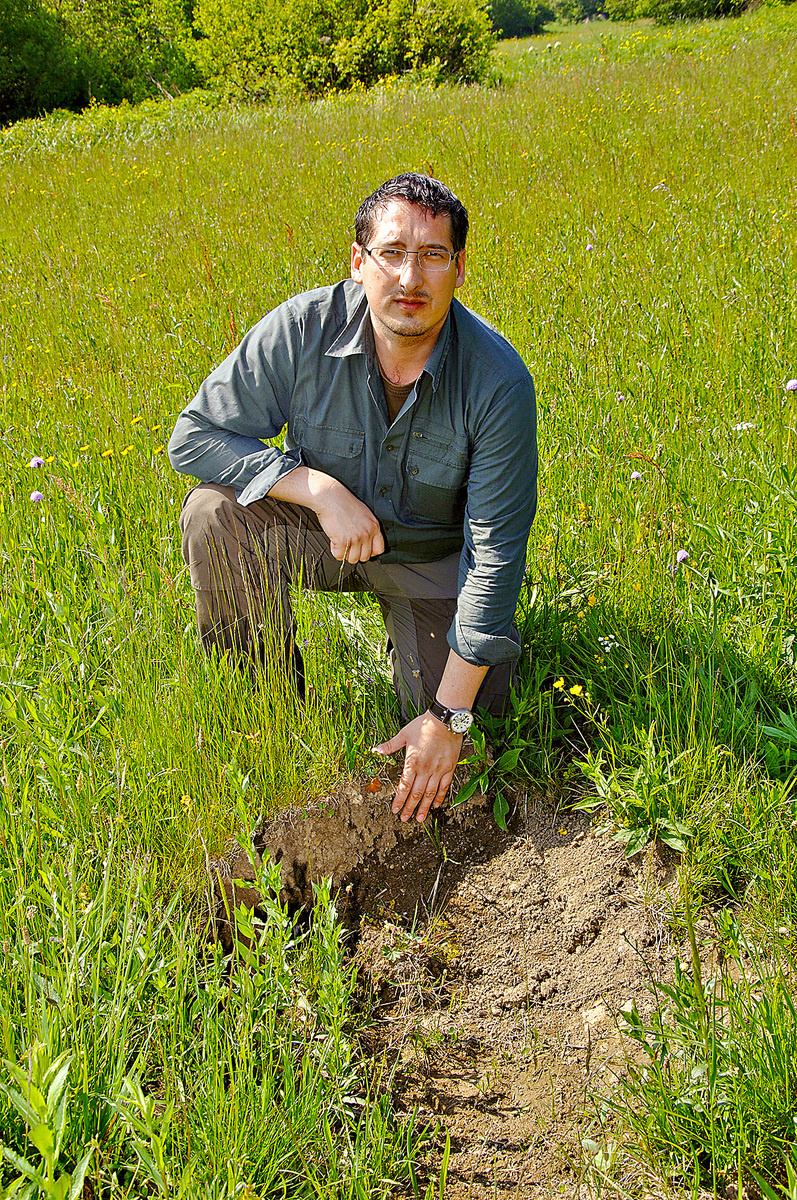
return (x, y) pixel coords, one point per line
(353, 530)
(431, 754)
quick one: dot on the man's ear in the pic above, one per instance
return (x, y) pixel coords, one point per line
(356, 262)
(460, 269)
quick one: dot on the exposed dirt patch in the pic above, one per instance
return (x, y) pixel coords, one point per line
(497, 963)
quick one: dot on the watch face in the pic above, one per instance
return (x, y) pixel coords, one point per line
(461, 721)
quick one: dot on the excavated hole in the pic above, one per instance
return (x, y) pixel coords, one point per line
(493, 964)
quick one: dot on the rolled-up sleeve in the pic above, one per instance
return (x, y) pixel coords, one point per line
(219, 437)
(501, 503)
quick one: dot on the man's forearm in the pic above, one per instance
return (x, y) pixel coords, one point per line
(311, 489)
(460, 682)
(353, 531)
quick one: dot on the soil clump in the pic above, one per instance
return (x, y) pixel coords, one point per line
(495, 963)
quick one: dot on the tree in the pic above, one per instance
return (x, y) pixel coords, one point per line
(259, 48)
(39, 67)
(129, 49)
(519, 18)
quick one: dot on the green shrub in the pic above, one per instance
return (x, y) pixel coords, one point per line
(38, 65)
(258, 49)
(519, 18)
(581, 10)
(129, 49)
(666, 12)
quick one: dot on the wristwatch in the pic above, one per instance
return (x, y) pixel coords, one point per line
(457, 720)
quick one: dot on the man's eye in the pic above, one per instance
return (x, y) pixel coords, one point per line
(391, 256)
(434, 257)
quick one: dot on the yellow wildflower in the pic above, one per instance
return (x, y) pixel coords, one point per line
(559, 683)
(576, 690)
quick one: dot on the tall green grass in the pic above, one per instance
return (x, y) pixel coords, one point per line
(634, 214)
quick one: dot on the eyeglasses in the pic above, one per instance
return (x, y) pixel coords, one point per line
(393, 259)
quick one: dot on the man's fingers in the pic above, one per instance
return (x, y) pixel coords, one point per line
(442, 791)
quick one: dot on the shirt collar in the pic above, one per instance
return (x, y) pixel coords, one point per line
(357, 338)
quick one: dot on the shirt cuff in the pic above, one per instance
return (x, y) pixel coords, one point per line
(482, 649)
(264, 481)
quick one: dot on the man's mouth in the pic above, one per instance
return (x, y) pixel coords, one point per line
(410, 302)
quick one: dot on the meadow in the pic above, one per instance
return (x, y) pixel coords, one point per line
(634, 217)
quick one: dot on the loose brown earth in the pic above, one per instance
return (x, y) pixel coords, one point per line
(496, 963)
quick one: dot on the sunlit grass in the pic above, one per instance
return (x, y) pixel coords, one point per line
(634, 215)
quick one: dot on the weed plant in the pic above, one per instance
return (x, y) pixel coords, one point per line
(633, 211)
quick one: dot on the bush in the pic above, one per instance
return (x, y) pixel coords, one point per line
(261, 48)
(130, 49)
(666, 12)
(38, 65)
(519, 18)
(583, 10)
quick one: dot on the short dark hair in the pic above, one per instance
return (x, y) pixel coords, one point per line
(421, 190)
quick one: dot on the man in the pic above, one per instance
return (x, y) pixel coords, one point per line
(408, 469)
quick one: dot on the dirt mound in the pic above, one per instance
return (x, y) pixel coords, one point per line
(497, 962)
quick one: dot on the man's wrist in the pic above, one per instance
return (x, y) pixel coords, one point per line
(456, 720)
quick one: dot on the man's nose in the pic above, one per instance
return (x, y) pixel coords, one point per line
(411, 270)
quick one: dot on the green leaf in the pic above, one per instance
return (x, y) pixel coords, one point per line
(79, 1174)
(500, 810)
(22, 1165)
(43, 1140)
(509, 759)
(61, 1188)
(673, 840)
(635, 840)
(20, 1102)
(765, 1189)
(589, 803)
(465, 792)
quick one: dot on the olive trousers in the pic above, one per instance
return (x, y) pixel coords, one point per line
(243, 560)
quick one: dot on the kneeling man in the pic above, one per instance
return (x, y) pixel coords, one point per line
(408, 470)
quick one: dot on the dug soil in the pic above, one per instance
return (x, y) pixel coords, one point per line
(494, 964)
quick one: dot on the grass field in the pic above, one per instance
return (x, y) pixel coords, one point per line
(634, 217)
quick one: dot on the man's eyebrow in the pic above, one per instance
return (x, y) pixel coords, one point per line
(425, 246)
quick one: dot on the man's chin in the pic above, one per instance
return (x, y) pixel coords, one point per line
(406, 326)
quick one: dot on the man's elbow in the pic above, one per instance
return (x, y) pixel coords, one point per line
(178, 448)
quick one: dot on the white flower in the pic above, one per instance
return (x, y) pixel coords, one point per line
(743, 426)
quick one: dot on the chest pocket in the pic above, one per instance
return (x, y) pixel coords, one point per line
(435, 473)
(335, 451)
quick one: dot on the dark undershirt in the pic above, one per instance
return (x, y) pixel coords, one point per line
(395, 395)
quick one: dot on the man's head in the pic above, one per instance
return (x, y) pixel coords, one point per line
(410, 257)
(428, 194)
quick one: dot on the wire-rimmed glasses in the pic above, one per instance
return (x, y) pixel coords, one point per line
(390, 258)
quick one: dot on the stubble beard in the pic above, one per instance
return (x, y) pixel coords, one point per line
(398, 325)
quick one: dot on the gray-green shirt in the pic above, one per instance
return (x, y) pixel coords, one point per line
(456, 470)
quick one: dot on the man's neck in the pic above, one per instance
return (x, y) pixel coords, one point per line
(402, 358)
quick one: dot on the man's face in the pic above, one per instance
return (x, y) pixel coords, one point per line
(409, 303)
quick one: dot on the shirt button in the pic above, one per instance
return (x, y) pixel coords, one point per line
(413, 470)
(383, 491)
(389, 447)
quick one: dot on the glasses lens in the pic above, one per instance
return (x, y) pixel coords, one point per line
(393, 259)
(434, 260)
(390, 259)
